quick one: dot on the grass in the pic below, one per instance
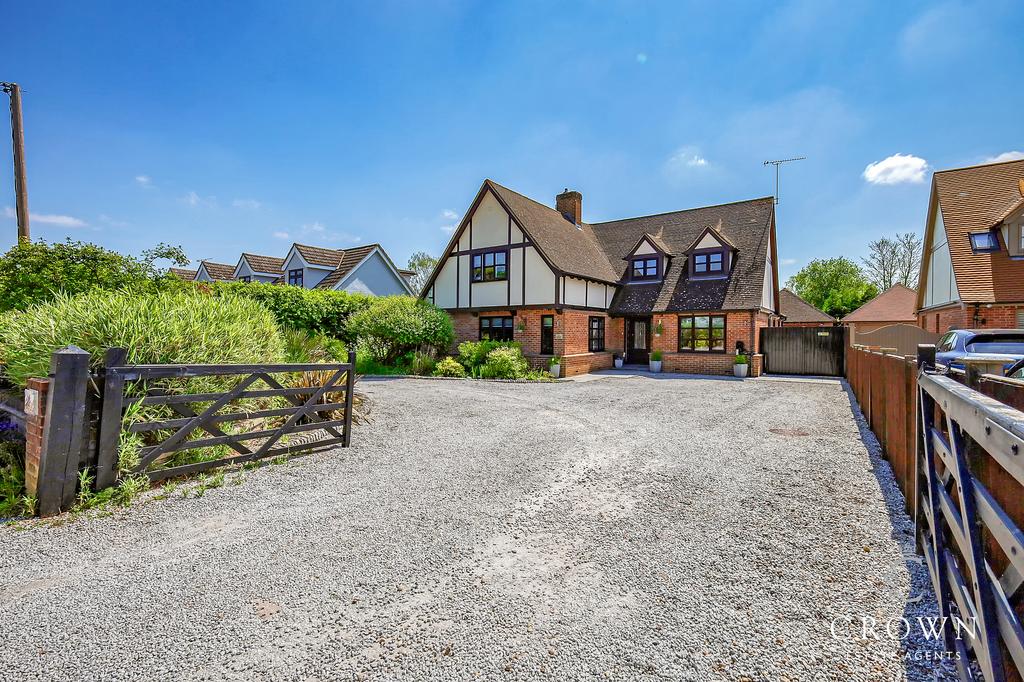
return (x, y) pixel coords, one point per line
(14, 501)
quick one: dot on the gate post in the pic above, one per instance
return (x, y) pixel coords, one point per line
(112, 404)
(65, 428)
(925, 360)
(350, 384)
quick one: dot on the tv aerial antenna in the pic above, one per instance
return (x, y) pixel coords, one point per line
(777, 163)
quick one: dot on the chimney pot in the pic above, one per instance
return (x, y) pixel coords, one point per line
(570, 204)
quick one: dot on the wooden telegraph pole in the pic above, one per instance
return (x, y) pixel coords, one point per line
(18, 136)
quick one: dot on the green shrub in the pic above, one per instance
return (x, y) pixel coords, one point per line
(35, 272)
(367, 364)
(656, 355)
(395, 325)
(318, 311)
(305, 347)
(157, 328)
(13, 500)
(505, 363)
(741, 359)
(473, 354)
(422, 364)
(449, 367)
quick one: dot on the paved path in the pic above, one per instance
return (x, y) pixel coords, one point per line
(628, 528)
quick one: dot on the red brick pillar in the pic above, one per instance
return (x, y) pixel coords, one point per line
(35, 420)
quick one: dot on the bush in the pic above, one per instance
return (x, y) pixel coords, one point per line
(305, 347)
(449, 367)
(36, 272)
(395, 325)
(318, 311)
(473, 354)
(13, 500)
(157, 328)
(422, 364)
(505, 363)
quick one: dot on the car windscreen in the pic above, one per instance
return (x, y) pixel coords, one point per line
(1011, 344)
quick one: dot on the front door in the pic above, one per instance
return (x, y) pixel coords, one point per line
(638, 340)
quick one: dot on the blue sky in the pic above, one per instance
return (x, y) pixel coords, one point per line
(244, 127)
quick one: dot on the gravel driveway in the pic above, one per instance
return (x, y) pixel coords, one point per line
(623, 528)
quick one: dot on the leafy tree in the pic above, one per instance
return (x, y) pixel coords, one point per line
(836, 286)
(423, 264)
(395, 325)
(894, 261)
(35, 272)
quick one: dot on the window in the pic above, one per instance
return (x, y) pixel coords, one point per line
(983, 242)
(495, 328)
(490, 266)
(547, 335)
(596, 337)
(645, 268)
(702, 333)
(295, 277)
(709, 263)
(947, 342)
(246, 278)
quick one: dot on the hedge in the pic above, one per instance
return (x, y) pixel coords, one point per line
(393, 326)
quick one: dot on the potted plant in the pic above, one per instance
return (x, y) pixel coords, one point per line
(655, 362)
(741, 365)
(659, 329)
(617, 361)
(555, 366)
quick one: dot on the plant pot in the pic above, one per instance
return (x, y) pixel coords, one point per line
(654, 365)
(740, 370)
(555, 370)
(618, 363)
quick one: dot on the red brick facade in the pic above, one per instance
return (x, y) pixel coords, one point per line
(972, 316)
(35, 421)
(742, 325)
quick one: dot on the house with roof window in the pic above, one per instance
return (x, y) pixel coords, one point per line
(695, 284)
(796, 312)
(361, 269)
(972, 269)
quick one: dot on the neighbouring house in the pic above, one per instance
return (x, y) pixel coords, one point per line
(211, 272)
(799, 313)
(362, 269)
(693, 284)
(895, 305)
(252, 267)
(972, 271)
(183, 273)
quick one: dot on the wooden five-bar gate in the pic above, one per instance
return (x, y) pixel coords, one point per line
(162, 421)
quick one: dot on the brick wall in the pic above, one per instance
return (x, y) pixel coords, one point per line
(35, 421)
(968, 316)
(743, 325)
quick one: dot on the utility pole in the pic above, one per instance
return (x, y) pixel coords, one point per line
(18, 136)
(777, 163)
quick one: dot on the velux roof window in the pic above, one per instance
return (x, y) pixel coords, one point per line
(984, 242)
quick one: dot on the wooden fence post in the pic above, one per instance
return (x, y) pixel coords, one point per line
(66, 426)
(110, 419)
(350, 385)
(925, 360)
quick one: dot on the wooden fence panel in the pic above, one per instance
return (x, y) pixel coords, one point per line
(902, 338)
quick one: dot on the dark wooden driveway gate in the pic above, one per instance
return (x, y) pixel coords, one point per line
(818, 351)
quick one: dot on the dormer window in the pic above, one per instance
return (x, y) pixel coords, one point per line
(708, 263)
(644, 268)
(984, 242)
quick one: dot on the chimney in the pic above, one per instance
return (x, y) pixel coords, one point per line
(570, 204)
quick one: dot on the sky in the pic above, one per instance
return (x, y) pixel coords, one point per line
(230, 127)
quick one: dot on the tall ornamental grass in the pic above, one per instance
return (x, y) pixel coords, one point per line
(168, 327)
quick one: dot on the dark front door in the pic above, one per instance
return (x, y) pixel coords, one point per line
(638, 339)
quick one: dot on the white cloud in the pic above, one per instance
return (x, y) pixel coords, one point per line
(787, 261)
(896, 169)
(193, 199)
(281, 234)
(641, 58)
(48, 218)
(316, 231)
(250, 204)
(107, 220)
(449, 214)
(684, 158)
(144, 180)
(1005, 156)
(451, 219)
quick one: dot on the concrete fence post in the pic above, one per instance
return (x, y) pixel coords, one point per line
(63, 430)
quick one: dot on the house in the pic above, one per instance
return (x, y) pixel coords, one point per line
(895, 305)
(210, 272)
(362, 269)
(252, 267)
(182, 273)
(693, 284)
(972, 269)
(799, 313)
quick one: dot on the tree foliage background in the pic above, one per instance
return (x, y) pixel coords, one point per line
(836, 286)
(894, 261)
(422, 263)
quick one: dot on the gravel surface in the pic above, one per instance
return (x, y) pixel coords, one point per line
(623, 528)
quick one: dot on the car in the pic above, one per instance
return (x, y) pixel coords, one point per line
(1006, 345)
(1017, 371)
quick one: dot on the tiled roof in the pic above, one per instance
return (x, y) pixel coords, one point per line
(977, 199)
(183, 273)
(797, 309)
(264, 264)
(219, 270)
(597, 251)
(349, 259)
(896, 304)
(316, 255)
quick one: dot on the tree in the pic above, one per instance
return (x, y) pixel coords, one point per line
(836, 286)
(34, 272)
(894, 261)
(423, 264)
